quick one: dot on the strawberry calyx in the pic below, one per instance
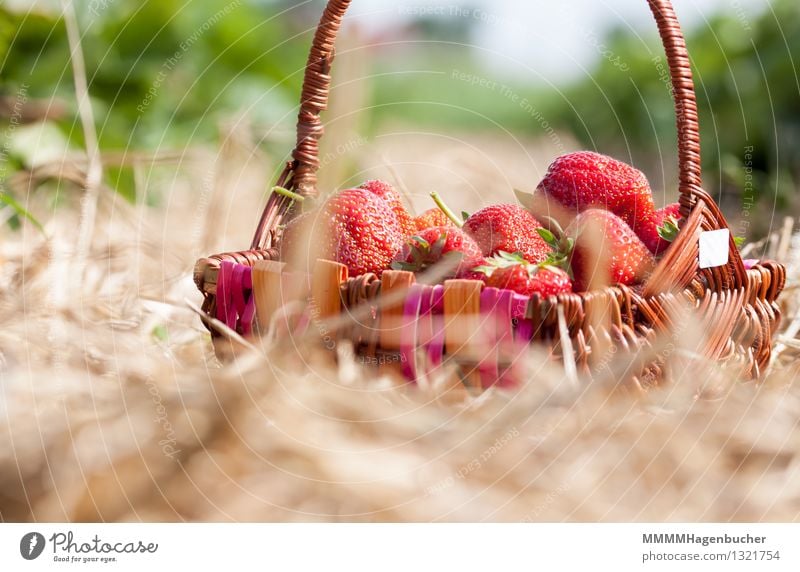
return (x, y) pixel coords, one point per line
(423, 254)
(562, 245)
(507, 260)
(669, 229)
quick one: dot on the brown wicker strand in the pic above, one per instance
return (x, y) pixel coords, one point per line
(314, 98)
(685, 102)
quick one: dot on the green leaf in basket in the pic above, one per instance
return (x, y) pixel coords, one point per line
(524, 198)
(438, 246)
(668, 229)
(548, 237)
(404, 266)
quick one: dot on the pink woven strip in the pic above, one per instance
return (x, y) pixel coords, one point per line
(509, 348)
(425, 323)
(424, 328)
(226, 310)
(235, 300)
(436, 346)
(496, 314)
(408, 334)
(222, 293)
(237, 290)
(491, 315)
(519, 308)
(248, 314)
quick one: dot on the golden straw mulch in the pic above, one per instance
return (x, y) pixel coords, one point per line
(114, 408)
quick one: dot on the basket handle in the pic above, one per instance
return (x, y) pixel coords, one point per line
(300, 174)
(317, 81)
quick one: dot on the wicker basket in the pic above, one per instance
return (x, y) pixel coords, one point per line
(737, 305)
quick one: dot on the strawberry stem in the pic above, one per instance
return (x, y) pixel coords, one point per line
(288, 194)
(446, 210)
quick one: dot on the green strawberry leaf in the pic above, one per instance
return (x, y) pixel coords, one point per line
(421, 241)
(438, 246)
(405, 266)
(669, 229)
(739, 241)
(484, 269)
(464, 215)
(546, 235)
(525, 199)
(514, 258)
(559, 260)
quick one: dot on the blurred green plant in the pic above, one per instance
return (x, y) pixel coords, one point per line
(162, 74)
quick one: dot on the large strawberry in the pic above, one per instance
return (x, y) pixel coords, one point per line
(585, 180)
(508, 228)
(354, 227)
(448, 245)
(432, 217)
(512, 272)
(388, 193)
(605, 250)
(666, 221)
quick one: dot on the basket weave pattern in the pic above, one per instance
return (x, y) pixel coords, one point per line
(737, 306)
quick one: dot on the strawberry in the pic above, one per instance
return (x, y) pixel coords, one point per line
(508, 228)
(353, 227)
(666, 221)
(388, 193)
(439, 244)
(513, 272)
(586, 180)
(606, 250)
(432, 217)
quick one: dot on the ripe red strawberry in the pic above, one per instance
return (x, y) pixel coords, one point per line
(606, 251)
(512, 272)
(439, 244)
(432, 217)
(586, 180)
(388, 193)
(508, 228)
(353, 227)
(666, 221)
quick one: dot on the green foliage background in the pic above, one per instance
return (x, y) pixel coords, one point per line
(248, 61)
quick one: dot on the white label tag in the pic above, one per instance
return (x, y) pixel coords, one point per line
(714, 248)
